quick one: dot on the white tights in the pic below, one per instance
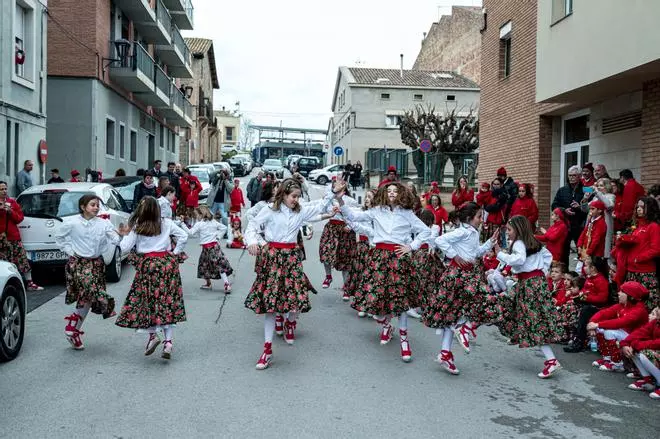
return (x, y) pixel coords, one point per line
(646, 367)
(82, 312)
(547, 352)
(269, 327)
(447, 335)
(168, 331)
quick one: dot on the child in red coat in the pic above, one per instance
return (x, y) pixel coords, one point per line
(592, 239)
(439, 213)
(525, 205)
(237, 200)
(557, 283)
(555, 237)
(642, 346)
(613, 324)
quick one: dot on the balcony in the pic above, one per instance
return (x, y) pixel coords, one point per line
(156, 31)
(138, 11)
(176, 55)
(180, 110)
(135, 73)
(182, 13)
(160, 97)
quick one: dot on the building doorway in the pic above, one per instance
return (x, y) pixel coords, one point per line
(574, 141)
(151, 148)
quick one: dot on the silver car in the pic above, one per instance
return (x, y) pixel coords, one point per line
(274, 166)
(13, 304)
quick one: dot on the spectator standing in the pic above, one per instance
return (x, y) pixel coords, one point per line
(75, 176)
(525, 204)
(120, 172)
(255, 188)
(24, 177)
(219, 199)
(632, 191)
(348, 171)
(510, 188)
(568, 198)
(190, 189)
(55, 176)
(146, 188)
(156, 171)
(588, 179)
(600, 171)
(174, 178)
(462, 194)
(356, 176)
(390, 178)
(237, 200)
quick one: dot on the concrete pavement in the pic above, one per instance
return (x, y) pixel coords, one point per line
(336, 381)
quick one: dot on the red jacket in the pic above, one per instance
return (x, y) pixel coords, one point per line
(190, 197)
(646, 337)
(460, 198)
(440, 214)
(618, 206)
(387, 181)
(527, 208)
(627, 317)
(9, 220)
(431, 191)
(642, 246)
(490, 262)
(596, 290)
(554, 239)
(632, 192)
(559, 292)
(596, 244)
(483, 198)
(236, 198)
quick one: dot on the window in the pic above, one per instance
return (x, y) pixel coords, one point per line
(17, 141)
(173, 142)
(418, 97)
(229, 133)
(561, 9)
(505, 51)
(161, 140)
(110, 137)
(451, 97)
(576, 129)
(8, 150)
(19, 37)
(133, 145)
(122, 141)
(24, 39)
(167, 140)
(392, 121)
(574, 141)
(385, 96)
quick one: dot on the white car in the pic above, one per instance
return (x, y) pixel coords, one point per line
(47, 206)
(13, 305)
(203, 173)
(324, 175)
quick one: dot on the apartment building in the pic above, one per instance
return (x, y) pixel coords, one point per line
(116, 97)
(229, 123)
(559, 88)
(368, 104)
(22, 87)
(202, 143)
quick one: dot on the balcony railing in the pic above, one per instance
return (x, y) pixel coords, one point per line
(163, 15)
(182, 13)
(187, 109)
(162, 80)
(141, 59)
(188, 8)
(180, 44)
(135, 72)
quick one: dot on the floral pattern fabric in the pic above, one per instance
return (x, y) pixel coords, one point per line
(337, 247)
(650, 281)
(213, 262)
(428, 270)
(354, 279)
(85, 285)
(13, 251)
(156, 295)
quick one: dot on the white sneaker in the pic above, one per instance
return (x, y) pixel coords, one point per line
(551, 366)
(413, 313)
(362, 314)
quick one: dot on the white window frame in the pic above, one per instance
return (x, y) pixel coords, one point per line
(122, 139)
(571, 147)
(29, 76)
(420, 98)
(130, 145)
(105, 144)
(389, 122)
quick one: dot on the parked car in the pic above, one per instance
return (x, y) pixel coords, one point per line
(204, 173)
(275, 166)
(304, 165)
(219, 166)
(247, 161)
(46, 207)
(238, 166)
(290, 159)
(13, 304)
(126, 187)
(324, 175)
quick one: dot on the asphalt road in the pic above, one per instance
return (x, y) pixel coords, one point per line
(336, 381)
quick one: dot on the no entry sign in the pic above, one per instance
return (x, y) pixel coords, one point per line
(425, 145)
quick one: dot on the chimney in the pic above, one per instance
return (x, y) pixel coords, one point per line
(401, 66)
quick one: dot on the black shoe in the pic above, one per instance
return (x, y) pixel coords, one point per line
(573, 348)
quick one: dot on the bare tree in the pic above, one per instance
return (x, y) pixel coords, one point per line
(246, 139)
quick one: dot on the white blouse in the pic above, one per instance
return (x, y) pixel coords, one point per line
(165, 208)
(393, 226)
(363, 229)
(521, 263)
(283, 225)
(464, 243)
(208, 231)
(348, 201)
(86, 238)
(159, 243)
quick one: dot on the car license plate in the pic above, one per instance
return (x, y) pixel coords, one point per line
(49, 255)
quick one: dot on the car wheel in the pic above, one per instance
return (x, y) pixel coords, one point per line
(12, 322)
(322, 180)
(113, 270)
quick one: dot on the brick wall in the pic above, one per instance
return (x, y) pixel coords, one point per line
(651, 133)
(454, 44)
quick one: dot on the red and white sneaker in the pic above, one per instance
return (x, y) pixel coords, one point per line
(461, 335)
(264, 360)
(645, 384)
(72, 327)
(551, 366)
(446, 360)
(152, 344)
(362, 314)
(289, 335)
(227, 288)
(600, 362)
(167, 349)
(327, 281)
(345, 297)
(76, 340)
(406, 353)
(655, 394)
(611, 366)
(31, 286)
(386, 332)
(279, 324)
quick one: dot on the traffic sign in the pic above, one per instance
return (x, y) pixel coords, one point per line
(425, 145)
(338, 151)
(43, 151)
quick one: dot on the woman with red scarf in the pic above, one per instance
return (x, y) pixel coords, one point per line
(555, 237)
(525, 204)
(462, 194)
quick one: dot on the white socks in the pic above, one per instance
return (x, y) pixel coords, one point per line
(168, 331)
(344, 275)
(82, 312)
(547, 352)
(328, 269)
(269, 327)
(224, 278)
(646, 367)
(447, 339)
(403, 321)
(291, 316)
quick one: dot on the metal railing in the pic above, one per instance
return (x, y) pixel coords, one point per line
(142, 61)
(188, 7)
(187, 108)
(163, 15)
(162, 80)
(180, 44)
(177, 97)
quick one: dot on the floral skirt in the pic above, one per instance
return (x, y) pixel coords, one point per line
(650, 281)
(280, 286)
(387, 287)
(567, 318)
(337, 246)
(428, 270)
(653, 355)
(13, 251)
(354, 279)
(156, 295)
(461, 293)
(85, 285)
(213, 262)
(530, 317)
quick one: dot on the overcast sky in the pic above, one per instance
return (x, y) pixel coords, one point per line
(280, 58)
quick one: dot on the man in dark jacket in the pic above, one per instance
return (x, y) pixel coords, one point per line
(156, 170)
(174, 178)
(568, 198)
(510, 188)
(55, 176)
(254, 188)
(147, 187)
